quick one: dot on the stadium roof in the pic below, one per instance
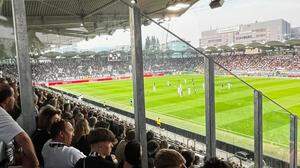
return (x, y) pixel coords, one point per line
(85, 18)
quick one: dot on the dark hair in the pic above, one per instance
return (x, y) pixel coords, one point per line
(102, 124)
(167, 158)
(4, 81)
(216, 163)
(100, 135)
(163, 144)
(92, 121)
(150, 135)
(46, 113)
(189, 156)
(197, 160)
(152, 148)
(130, 135)
(132, 153)
(57, 127)
(5, 92)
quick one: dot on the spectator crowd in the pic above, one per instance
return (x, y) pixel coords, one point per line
(70, 134)
(80, 68)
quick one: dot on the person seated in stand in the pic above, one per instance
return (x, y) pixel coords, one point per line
(11, 131)
(130, 136)
(132, 154)
(80, 142)
(101, 141)
(216, 163)
(57, 152)
(189, 156)
(47, 116)
(169, 158)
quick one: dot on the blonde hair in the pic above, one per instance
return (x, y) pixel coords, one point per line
(82, 128)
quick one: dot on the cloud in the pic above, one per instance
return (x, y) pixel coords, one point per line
(200, 18)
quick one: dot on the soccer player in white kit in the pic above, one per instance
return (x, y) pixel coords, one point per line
(179, 90)
(189, 91)
(154, 87)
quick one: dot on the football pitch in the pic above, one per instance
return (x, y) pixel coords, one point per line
(185, 107)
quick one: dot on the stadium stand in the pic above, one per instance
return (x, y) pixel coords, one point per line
(71, 68)
(52, 107)
(55, 115)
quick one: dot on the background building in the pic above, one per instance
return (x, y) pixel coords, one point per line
(295, 33)
(176, 48)
(273, 30)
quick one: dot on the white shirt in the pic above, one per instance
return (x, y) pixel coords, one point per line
(9, 128)
(60, 156)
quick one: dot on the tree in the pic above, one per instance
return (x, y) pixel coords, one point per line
(157, 44)
(275, 45)
(239, 47)
(256, 45)
(293, 42)
(147, 43)
(211, 49)
(3, 54)
(52, 54)
(153, 43)
(225, 48)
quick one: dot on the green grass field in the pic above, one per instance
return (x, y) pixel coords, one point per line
(234, 105)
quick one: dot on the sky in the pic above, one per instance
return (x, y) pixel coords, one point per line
(200, 18)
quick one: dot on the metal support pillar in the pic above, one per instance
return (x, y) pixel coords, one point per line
(23, 63)
(293, 141)
(210, 108)
(138, 80)
(258, 134)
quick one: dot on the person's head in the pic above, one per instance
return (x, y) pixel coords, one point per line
(82, 128)
(47, 116)
(102, 141)
(78, 117)
(92, 122)
(130, 135)
(62, 131)
(67, 107)
(133, 153)
(3, 81)
(169, 158)
(68, 117)
(7, 99)
(85, 113)
(152, 148)
(150, 135)
(216, 163)
(35, 99)
(189, 156)
(102, 124)
(164, 144)
(53, 102)
(197, 160)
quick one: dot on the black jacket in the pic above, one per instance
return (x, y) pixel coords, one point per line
(94, 162)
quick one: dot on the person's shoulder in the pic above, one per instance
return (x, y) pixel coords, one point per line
(91, 160)
(46, 145)
(71, 149)
(73, 152)
(106, 163)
